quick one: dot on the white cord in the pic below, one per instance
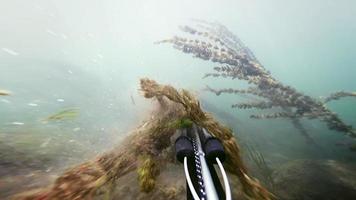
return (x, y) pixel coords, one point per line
(190, 184)
(226, 181)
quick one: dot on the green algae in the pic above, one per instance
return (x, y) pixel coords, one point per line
(147, 173)
(181, 123)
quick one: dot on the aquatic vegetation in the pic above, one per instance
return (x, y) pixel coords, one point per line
(147, 173)
(185, 123)
(66, 114)
(192, 108)
(153, 141)
(338, 95)
(182, 123)
(215, 43)
(258, 159)
(4, 93)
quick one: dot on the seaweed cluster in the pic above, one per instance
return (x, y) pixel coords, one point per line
(193, 111)
(146, 150)
(215, 43)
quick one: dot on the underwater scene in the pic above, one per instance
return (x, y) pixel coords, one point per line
(181, 99)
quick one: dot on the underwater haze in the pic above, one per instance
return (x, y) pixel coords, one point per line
(70, 74)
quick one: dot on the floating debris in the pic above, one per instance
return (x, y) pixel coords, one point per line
(144, 124)
(63, 115)
(5, 101)
(64, 36)
(76, 129)
(49, 31)
(32, 104)
(4, 93)
(100, 56)
(9, 51)
(94, 60)
(132, 100)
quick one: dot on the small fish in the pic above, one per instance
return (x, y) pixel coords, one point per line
(60, 100)
(32, 104)
(63, 115)
(4, 93)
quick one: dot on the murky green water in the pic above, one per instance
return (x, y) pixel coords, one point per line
(89, 56)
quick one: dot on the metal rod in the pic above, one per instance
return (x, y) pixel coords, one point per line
(210, 190)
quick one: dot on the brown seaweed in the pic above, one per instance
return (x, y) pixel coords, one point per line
(147, 149)
(339, 95)
(215, 43)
